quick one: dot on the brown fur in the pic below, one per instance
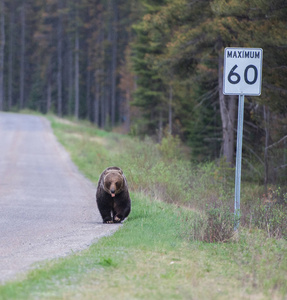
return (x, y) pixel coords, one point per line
(113, 196)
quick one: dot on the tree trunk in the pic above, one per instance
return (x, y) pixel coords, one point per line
(107, 93)
(49, 95)
(170, 108)
(2, 45)
(97, 99)
(88, 85)
(22, 55)
(10, 59)
(101, 77)
(127, 110)
(98, 73)
(49, 86)
(266, 166)
(77, 95)
(70, 76)
(114, 61)
(59, 54)
(103, 109)
(160, 126)
(227, 112)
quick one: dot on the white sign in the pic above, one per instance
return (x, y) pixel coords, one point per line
(242, 73)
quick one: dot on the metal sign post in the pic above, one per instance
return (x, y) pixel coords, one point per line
(238, 160)
(241, 76)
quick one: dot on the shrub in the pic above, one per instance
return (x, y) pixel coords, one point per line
(271, 218)
(215, 225)
(170, 147)
(220, 224)
(269, 213)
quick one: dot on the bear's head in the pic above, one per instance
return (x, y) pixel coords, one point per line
(113, 181)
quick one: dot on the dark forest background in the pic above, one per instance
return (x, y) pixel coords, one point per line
(151, 67)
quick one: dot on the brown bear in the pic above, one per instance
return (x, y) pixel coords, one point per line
(112, 195)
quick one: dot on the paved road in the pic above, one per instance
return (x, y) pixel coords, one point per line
(47, 208)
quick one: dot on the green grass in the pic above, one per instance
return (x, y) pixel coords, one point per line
(153, 255)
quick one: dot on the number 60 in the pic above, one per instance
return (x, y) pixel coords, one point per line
(237, 78)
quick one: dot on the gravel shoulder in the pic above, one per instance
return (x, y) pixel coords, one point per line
(48, 207)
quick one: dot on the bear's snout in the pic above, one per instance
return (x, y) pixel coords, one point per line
(113, 190)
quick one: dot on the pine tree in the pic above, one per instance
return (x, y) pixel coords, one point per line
(150, 86)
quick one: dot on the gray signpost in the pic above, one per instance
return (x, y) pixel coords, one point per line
(242, 75)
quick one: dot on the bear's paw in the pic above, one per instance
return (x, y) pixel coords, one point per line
(117, 219)
(109, 222)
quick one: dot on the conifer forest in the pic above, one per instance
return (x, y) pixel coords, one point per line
(152, 68)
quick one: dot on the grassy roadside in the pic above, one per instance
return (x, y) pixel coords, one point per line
(153, 256)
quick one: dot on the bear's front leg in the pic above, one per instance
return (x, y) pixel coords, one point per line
(118, 218)
(108, 220)
(106, 215)
(121, 215)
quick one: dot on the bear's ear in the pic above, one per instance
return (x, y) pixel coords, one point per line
(120, 172)
(114, 169)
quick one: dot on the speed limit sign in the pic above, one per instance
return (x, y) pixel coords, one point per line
(242, 73)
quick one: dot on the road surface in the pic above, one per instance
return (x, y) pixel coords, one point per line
(47, 208)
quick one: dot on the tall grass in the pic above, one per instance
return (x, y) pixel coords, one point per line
(269, 214)
(164, 172)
